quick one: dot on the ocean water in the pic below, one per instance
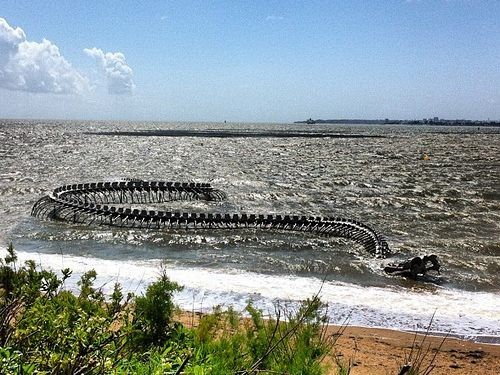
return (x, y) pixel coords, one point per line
(448, 205)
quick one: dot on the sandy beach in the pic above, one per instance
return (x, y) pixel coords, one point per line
(380, 351)
(373, 351)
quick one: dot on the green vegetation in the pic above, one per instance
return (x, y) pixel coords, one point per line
(45, 329)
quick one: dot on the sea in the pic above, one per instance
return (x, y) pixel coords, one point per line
(427, 190)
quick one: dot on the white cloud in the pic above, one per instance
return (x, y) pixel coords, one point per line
(118, 73)
(35, 67)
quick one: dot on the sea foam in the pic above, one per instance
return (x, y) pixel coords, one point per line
(462, 313)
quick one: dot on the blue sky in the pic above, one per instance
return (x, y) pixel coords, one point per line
(270, 61)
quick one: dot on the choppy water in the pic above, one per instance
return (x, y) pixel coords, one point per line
(448, 205)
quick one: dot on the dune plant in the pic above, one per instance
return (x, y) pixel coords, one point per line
(420, 360)
(292, 341)
(153, 311)
(47, 329)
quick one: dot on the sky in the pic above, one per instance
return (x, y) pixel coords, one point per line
(250, 61)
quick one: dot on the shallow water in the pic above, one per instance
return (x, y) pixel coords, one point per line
(448, 205)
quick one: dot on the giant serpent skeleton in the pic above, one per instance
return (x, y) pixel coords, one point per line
(102, 204)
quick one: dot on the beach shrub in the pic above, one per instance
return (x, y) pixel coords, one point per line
(153, 312)
(291, 342)
(48, 329)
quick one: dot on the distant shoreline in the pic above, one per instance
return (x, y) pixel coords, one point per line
(433, 122)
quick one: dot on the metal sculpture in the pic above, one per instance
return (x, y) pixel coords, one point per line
(414, 267)
(102, 204)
